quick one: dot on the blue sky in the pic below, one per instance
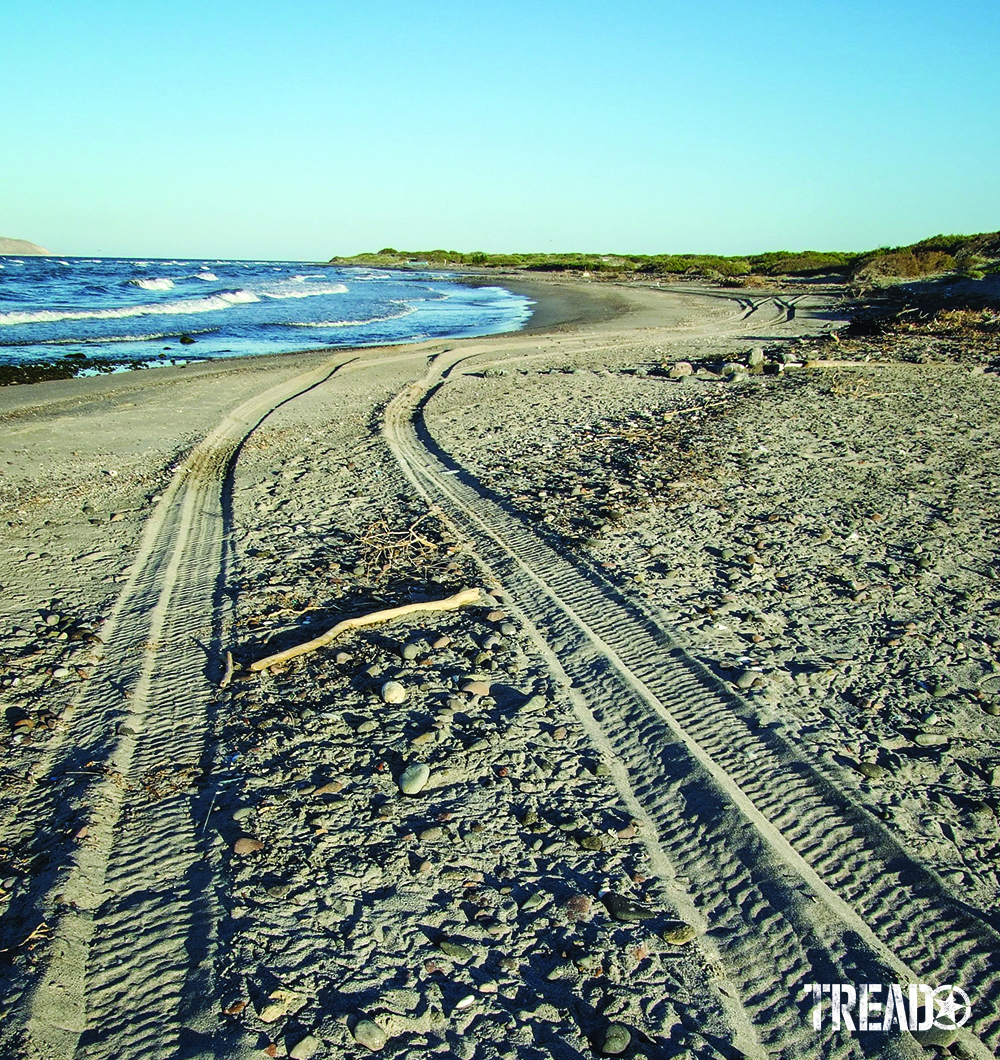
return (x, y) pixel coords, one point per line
(305, 128)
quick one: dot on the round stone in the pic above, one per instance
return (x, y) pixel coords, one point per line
(393, 692)
(746, 679)
(414, 778)
(615, 1040)
(679, 934)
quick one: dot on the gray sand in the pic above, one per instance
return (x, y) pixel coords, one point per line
(724, 725)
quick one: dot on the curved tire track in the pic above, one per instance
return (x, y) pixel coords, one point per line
(796, 883)
(132, 909)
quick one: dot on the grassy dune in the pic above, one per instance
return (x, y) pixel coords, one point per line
(970, 257)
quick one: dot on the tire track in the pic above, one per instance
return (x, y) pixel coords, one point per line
(132, 907)
(797, 884)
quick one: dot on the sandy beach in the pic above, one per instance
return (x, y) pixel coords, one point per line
(724, 721)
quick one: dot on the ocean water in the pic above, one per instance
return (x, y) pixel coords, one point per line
(130, 312)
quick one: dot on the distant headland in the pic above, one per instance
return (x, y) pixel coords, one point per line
(20, 246)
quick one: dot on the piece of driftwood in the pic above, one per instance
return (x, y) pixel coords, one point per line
(451, 603)
(228, 675)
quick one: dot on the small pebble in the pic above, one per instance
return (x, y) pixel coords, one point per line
(370, 1035)
(393, 692)
(679, 934)
(413, 778)
(615, 1040)
(746, 678)
(578, 908)
(330, 788)
(624, 909)
(306, 1048)
(246, 845)
(454, 949)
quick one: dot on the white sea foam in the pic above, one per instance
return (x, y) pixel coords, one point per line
(286, 290)
(351, 323)
(207, 276)
(225, 300)
(153, 336)
(159, 284)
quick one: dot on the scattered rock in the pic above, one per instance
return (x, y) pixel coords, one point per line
(677, 933)
(247, 845)
(305, 1048)
(393, 692)
(370, 1035)
(746, 678)
(624, 909)
(414, 778)
(615, 1040)
(578, 908)
(454, 949)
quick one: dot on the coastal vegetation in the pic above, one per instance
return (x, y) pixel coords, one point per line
(965, 256)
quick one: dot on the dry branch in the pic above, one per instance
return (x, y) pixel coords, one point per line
(451, 603)
(228, 675)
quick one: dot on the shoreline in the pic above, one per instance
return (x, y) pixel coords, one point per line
(558, 305)
(561, 305)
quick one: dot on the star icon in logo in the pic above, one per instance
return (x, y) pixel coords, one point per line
(951, 1007)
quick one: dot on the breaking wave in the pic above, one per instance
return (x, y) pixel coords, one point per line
(225, 300)
(160, 284)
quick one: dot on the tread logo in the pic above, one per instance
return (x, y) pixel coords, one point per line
(880, 1006)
